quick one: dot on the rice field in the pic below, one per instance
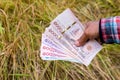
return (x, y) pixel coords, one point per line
(22, 23)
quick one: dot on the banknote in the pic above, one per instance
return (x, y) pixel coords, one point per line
(73, 31)
(51, 51)
(59, 38)
(54, 36)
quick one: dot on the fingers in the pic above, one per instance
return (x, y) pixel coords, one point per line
(91, 31)
(82, 40)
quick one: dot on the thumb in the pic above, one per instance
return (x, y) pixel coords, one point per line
(82, 40)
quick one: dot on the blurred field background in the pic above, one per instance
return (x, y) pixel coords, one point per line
(23, 21)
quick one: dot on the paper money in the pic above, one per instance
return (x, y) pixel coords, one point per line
(59, 38)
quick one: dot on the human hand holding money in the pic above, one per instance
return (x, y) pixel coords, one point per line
(59, 38)
(91, 32)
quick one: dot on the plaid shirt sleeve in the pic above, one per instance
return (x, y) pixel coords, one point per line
(109, 30)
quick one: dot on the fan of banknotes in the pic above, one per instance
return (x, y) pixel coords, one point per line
(58, 41)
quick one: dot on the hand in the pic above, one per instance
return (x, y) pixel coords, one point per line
(91, 32)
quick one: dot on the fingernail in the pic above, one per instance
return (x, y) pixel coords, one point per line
(77, 43)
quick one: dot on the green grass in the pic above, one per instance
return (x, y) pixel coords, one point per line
(23, 21)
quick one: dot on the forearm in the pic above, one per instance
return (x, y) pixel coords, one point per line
(109, 30)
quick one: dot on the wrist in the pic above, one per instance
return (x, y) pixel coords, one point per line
(100, 32)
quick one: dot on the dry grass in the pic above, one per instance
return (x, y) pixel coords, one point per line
(21, 25)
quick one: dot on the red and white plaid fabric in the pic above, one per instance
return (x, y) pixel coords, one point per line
(109, 30)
